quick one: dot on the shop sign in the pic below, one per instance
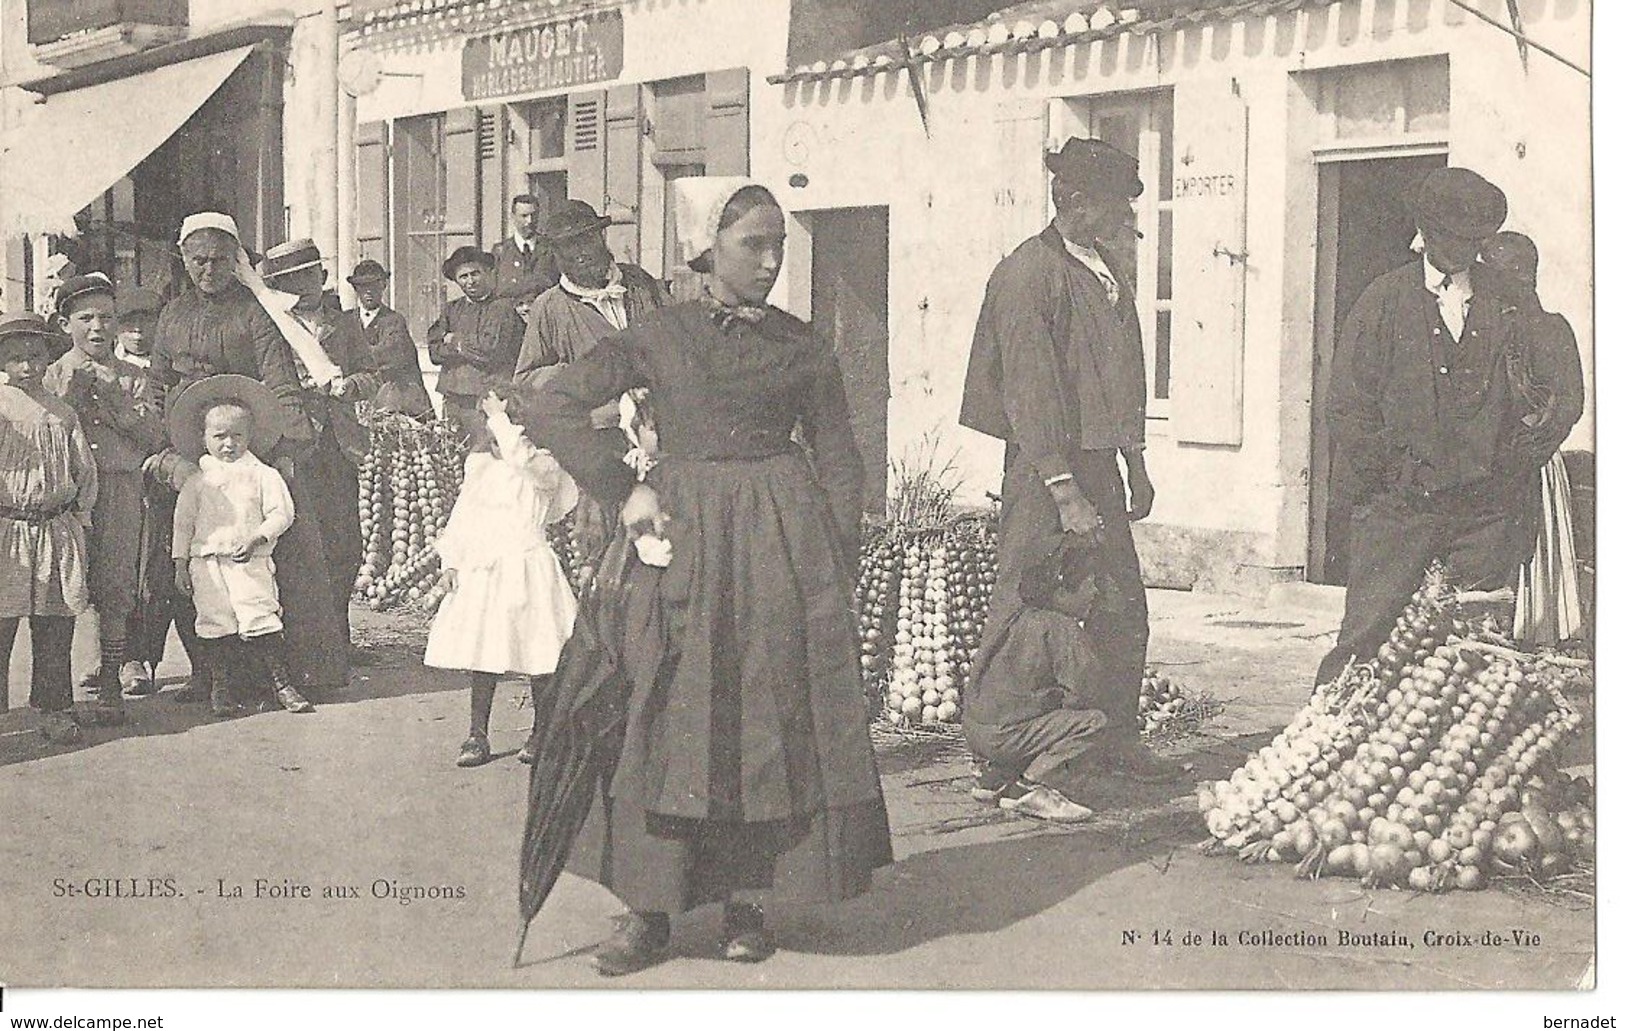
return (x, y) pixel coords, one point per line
(1205, 186)
(567, 52)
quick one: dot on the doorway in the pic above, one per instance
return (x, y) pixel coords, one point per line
(1364, 231)
(850, 308)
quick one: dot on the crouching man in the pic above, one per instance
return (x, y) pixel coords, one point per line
(1039, 715)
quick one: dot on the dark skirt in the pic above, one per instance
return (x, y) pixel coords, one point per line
(310, 566)
(747, 762)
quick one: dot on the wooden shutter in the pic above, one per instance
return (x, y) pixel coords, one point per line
(623, 166)
(492, 140)
(1021, 194)
(1210, 263)
(584, 147)
(372, 191)
(727, 122)
(460, 155)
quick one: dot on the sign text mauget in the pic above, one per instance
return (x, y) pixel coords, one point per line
(568, 52)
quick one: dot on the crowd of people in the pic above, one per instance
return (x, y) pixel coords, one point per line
(195, 462)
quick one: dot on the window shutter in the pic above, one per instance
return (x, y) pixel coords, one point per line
(1210, 263)
(584, 147)
(623, 163)
(372, 191)
(492, 139)
(460, 156)
(727, 122)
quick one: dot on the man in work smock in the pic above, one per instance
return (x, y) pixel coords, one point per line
(1420, 404)
(1057, 372)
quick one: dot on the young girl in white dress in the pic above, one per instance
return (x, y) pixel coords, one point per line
(510, 608)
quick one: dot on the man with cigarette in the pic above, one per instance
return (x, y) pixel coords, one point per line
(1057, 371)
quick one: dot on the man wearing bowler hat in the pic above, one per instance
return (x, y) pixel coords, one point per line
(1057, 372)
(595, 297)
(394, 357)
(1419, 403)
(476, 339)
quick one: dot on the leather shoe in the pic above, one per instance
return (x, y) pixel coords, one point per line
(638, 944)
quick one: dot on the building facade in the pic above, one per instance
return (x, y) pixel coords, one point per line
(462, 108)
(1277, 141)
(120, 117)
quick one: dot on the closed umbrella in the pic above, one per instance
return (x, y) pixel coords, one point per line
(581, 736)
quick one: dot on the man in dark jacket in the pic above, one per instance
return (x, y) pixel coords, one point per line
(595, 297)
(1420, 406)
(394, 357)
(1057, 371)
(524, 268)
(476, 339)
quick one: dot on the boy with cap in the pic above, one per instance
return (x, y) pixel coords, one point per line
(47, 492)
(1057, 371)
(124, 432)
(1419, 404)
(476, 339)
(138, 310)
(227, 522)
(394, 356)
(1038, 708)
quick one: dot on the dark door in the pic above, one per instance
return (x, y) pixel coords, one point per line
(850, 256)
(1365, 231)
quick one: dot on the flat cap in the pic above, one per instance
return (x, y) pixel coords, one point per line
(1460, 202)
(1096, 166)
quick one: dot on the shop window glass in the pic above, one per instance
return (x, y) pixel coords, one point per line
(545, 121)
(1142, 124)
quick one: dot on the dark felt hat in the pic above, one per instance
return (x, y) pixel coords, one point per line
(368, 271)
(28, 324)
(139, 301)
(1460, 202)
(293, 256)
(1097, 167)
(75, 287)
(185, 416)
(466, 255)
(573, 218)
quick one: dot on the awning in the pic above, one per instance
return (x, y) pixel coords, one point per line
(65, 152)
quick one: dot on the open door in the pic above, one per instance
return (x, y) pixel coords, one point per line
(1364, 231)
(850, 259)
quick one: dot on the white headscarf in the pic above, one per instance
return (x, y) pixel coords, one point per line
(700, 201)
(322, 369)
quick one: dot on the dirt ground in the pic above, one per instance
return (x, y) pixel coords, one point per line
(181, 811)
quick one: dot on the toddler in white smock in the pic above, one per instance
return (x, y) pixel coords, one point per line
(510, 608)
(228, 519)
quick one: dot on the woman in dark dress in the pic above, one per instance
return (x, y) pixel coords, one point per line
(747, 764)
